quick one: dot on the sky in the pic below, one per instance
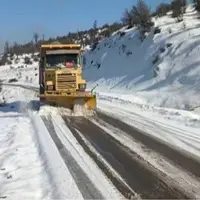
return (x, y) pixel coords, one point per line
(19, 19)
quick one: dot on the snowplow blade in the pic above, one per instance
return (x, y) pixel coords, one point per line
(69, 101)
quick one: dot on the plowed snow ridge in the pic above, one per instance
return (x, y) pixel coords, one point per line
(23, 171)
(30, 164)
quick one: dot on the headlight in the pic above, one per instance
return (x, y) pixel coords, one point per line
(51, 87)
(82, 86)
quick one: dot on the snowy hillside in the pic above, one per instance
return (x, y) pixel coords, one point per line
(163, 70)
(18, 70)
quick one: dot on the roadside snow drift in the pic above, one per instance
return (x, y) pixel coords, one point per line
(22, 170)
(163, 70)
(30, 164)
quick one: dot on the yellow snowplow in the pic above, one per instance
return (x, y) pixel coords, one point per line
(60, 77)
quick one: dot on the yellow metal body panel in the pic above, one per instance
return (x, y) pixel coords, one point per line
(57, 76)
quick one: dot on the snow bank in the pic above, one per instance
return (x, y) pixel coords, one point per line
(161, 71)
(30, 164)
(67, 188)
(22, 171)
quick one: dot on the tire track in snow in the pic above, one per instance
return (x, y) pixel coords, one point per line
(177, 176)
(142, 178)
(119, 184)
(83, 182)
(177, 157)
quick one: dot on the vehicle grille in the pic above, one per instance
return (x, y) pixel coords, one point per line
(66, 81)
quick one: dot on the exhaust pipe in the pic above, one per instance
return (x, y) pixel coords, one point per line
(94, 88)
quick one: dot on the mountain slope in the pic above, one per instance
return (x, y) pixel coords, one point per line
(163, 70)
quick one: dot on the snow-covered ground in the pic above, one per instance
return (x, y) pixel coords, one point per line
(24, 73)
(124, 65)
(22, 168)
(156, 98)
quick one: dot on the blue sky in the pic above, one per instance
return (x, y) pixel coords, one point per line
(20, 18)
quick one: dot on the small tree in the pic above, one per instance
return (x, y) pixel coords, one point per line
(36, 38)
(3, 60)
(197, 5)
(43, 37)
(162, 9)
(95, 25)
(94, 31)
(6, 48)
(183, 5)
(178, 9)
(141, 15)
(107, 33)
(127, 18)
(16, 48)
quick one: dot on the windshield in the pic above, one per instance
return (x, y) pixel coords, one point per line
(60, 60)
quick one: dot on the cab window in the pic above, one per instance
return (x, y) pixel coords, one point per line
(54, 60)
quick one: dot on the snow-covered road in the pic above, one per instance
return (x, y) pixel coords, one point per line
(35, 164)
(141, 167)
(32, 166)
(178, 128)
(90, 180)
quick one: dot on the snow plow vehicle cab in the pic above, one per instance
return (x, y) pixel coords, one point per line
(60, 77)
